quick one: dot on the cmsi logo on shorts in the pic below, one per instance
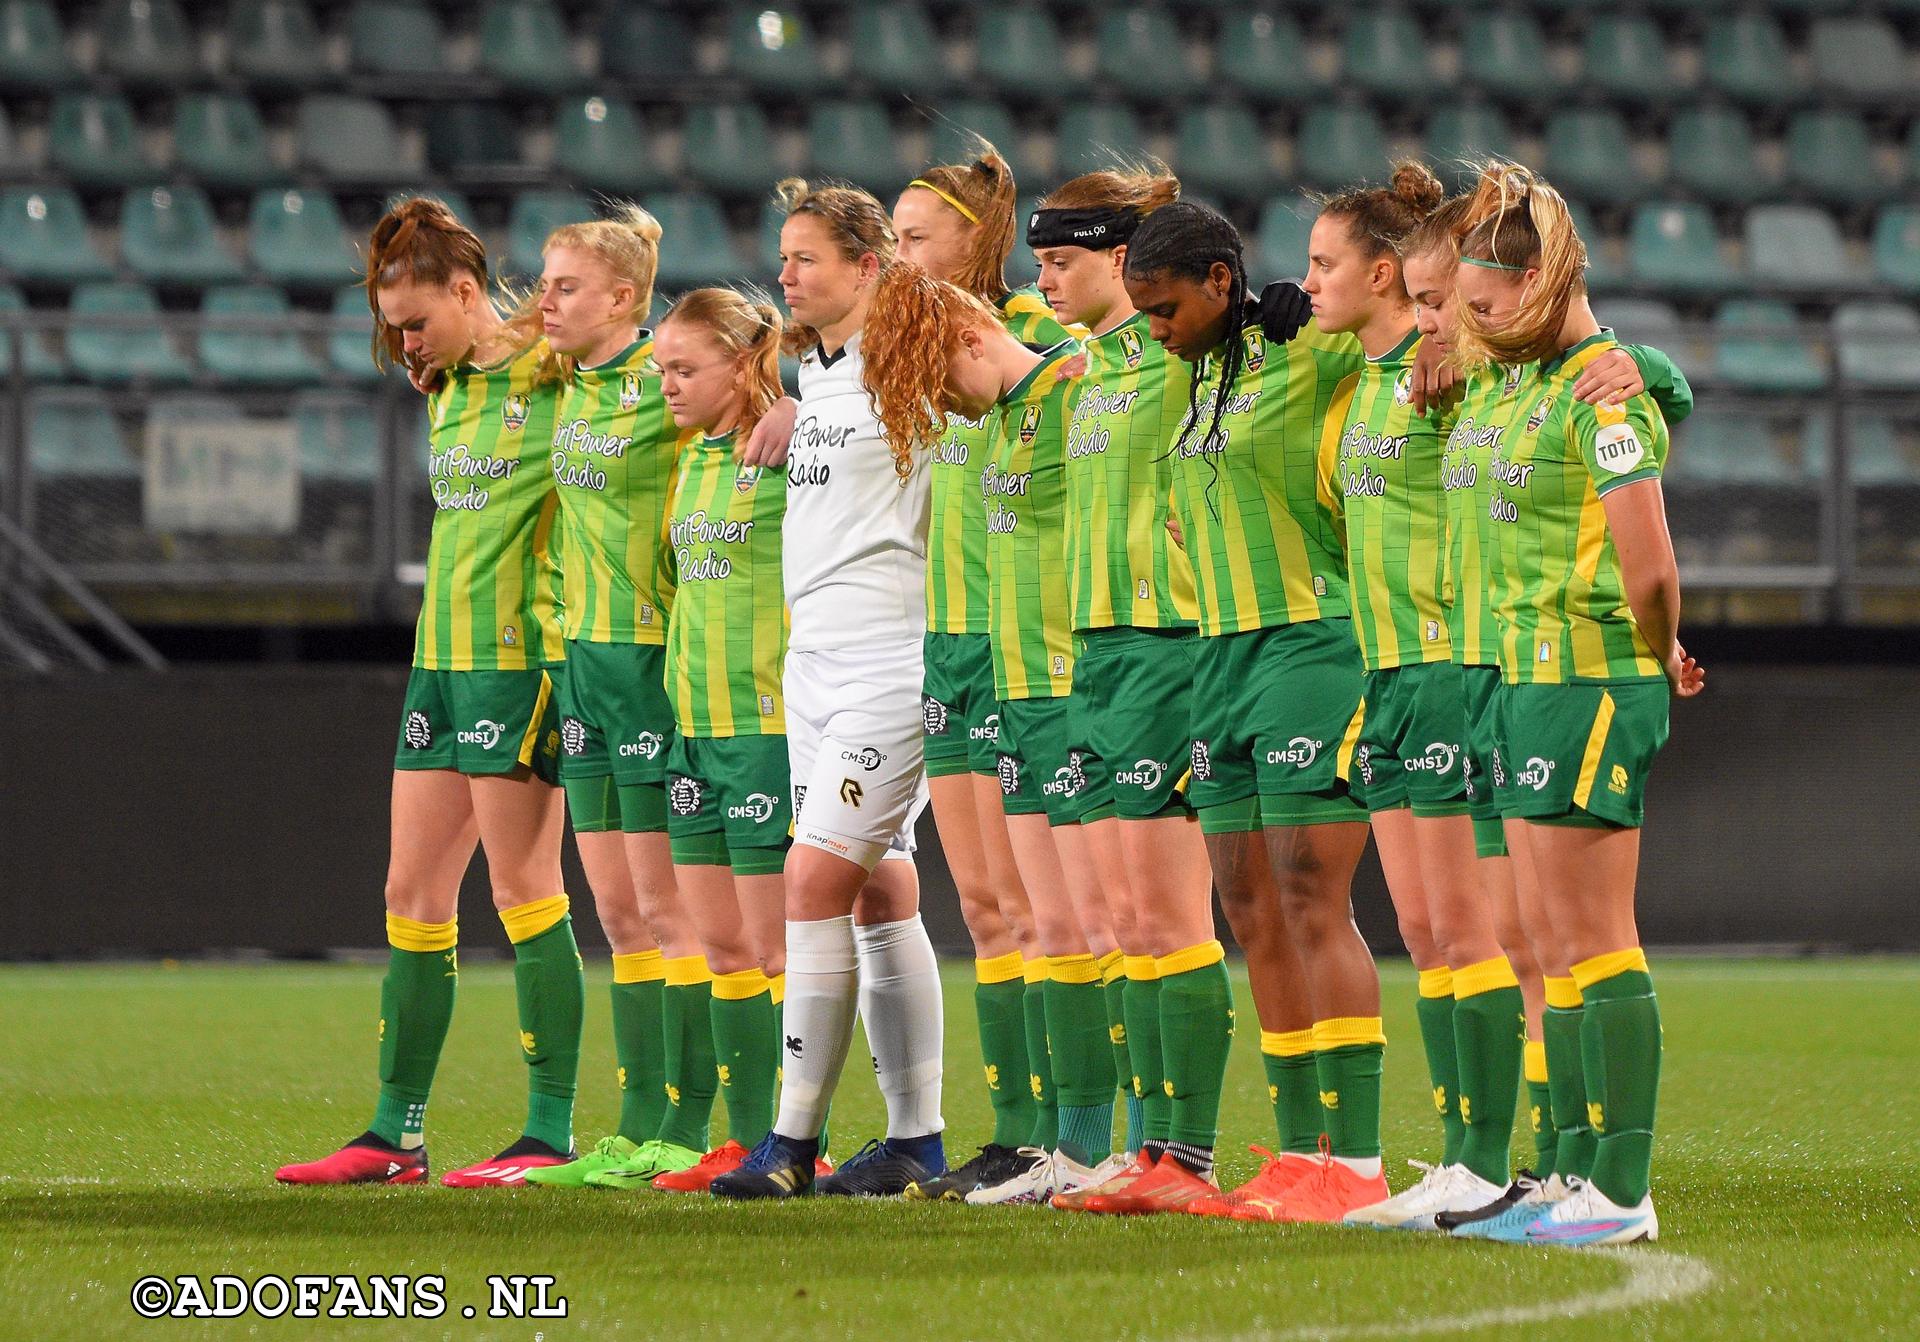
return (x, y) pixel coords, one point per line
(1438, 758)
(418, 731)
(1300, 752)
(1535, 775)
(1145, 774)
(758, 807)
(866, 757)
(933, 716)
(1067, 780)
(683, 795)
(988, 730)
(484, 734)
(646, 745)
(1202, 762)
(573, 736)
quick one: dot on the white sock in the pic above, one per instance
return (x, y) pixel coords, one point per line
(823, 984)
(1367, 1167)
(901, 1004)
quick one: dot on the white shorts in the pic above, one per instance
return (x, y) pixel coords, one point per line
(855, 744)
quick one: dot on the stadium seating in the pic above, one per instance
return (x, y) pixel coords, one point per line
(1674, 245)
(729, 148)
(33, 50)
(895, 49)
(1625, 59)
(167, 236)
(219, 139)
(297, 239)
(475, 142)
(338, 436)
(535, 215)
(1584, 155)
(39, 359)
(1139, 53)
(398, 39)
(43, 237)
(1712, 155)
(694, 246)
(1860, 60)
(147, 44)
(773, 50)
(351, 141)
(1761, 349)
(116, 337)
(1504, 53)
(1830, 158)
(524, 45)
(1089, 136)
(253, 354)
(92, 141)
(1383, 52)
(949, 135)
(72, 434)
(851, 141)
(1222, 152)
(648, 46)
(1462, 134)
(1797, 247)
(1262, 55)
(1338, 145)
(1878, 345)
(1896, 247)
(1285, 225)
(1018, 52)
(274, 44)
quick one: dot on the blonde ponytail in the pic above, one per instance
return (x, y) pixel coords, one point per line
(1517, 222)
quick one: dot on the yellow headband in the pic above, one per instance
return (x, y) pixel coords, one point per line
(968, 214)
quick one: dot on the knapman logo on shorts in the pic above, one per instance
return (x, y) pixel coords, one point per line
(1009, 770)
(1536, 775)
(1499, 769)
(866, 757)
(573, 736)
(933, 716)
(683, 795)
(647, 745)
(1300, 752)
(1202, 762)
(988, 730)
(758, 807)
(799, 797)
(1437, 758)
(418, 732)
(1145, 774)
(485, 733)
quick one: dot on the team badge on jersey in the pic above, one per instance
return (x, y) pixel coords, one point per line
(745, 479)
(1256, 344)
(630, 391)
(513, 412)
(1130, 346)
(1029, 425)
(1512, 384)
(1403, 388)
(1539, 415)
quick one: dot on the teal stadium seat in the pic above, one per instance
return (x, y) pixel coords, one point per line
(267, 355)
(14, 161)
(1018, 52)
(1730, 445)
(39, 360)
(1285, 226)
(1462, 134)
(1383, 52)
(1223, 152)
(772, 50)
(297, 239)
(115, 337)
(1090, 135)
(648, 46)
(1586, 156)
(1603, 271)
(1711, 154)
(1878, 345)
(1745, 56)
(398, 40)
(1673, 245)
(1645, 321)
(168, 237)
(350, 140)
(219, 139)
(72, 434)
(475, 140)
(1338, 146)
(1830, 158)
(1896, 248)
(852, 141)
(1761, 348)
(1626, 59)
(92, 142)
(1139, 53)
(349, 344)
(462, 208)
(895, 49)
(728, 148)
(695, 246)
(534, 215)
(1263, 56)
(1876, 456)
(601, 144)
(1504, 53)
(524, 45)
(147, 44)
(1861, 60)
(33, 49)
(277, 45)
(1797, 247)
(950, 134)
(339, 437)
(43, 237)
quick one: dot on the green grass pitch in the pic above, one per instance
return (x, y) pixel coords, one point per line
(143, 1109)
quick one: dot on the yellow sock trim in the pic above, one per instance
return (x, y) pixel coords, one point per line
(1589, 972)
(1436, 982)
(1485, 977)
(1534, 1061)
(1141, 968)
(404, 934)
(684, 971)
(1286, 1043)
(1112, 965)
(777, 988)
(1190, 958)
(1072, 969)
(639, 967)
(1034, 970)
(738, 986)
(1563, 994)
(524, 922)
(1000, 969)
(1346, 1031)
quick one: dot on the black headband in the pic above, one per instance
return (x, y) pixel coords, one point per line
(1096, 229)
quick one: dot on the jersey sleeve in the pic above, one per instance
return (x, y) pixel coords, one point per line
(1621, 445)
(1665, 382)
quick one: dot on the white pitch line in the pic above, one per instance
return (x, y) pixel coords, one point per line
(1653, 1278)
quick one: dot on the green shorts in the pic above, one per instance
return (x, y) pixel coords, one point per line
(736, 786)
(1039, 769)
(479, 722)
(1407, 743)
(1269, 707)
(1578, 753)
(1482, 687)
(1129, 716)
(614, 714)
(957, 709)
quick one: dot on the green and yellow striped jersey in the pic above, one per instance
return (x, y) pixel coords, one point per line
(613, 446)
(1558, 599)
(956, 526)
(1254, 506)
(1122, 567)
(728, 635)
(1386, 485)
(1024, 490)
(489, 602)
(1488, 403)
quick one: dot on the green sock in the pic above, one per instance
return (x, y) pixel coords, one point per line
(1196, 1032)
(1148, 1078)
(1115, 993)
(551, 990)
(692, 1078)
(746, 1050)
(1000, 1007)
(1620, 1046)
(1045, 1132)
(1076, 1008)
(1539, 1108)
(1574, 1139)
(1435, 1012)
(1347, 1057)
(416, 1006)
(1293, 1088)
(640, 1049)
(1490, 1033)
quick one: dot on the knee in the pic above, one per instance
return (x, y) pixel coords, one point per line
(409, 901)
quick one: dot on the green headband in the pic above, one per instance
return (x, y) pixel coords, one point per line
(1489, 265)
